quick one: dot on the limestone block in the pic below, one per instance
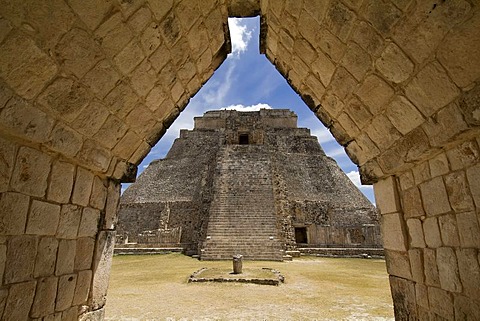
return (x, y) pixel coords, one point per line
(43, 218)
(448, 270)
(113, 34)
(44, 302)
(375, 93)
(421, 294)
(82, 287)
(121, 100)
(128, 8)
(25, 121)
(21, 252)
(330, 44)
(141, 119)
(441, 302)
(22, 59)
(89, 222)
(432, 232)
(342, 83)
(160, 8)
(473, 176)
(65, 98)
(83, 187)
(155, 98)
(61, 182)
(458, 55)
(394, 65)
(421, 173)
(403, 295)
(415, 231)
(348, 124)
(386, 195)
(3, 299)
(381, 15)
(140, 154)
(7, 149)
(416, 264)
(406, 180)
(90, 11)
(53, 317)
(129, 57)
(361, 150)
(99, 193)
(398, 264)
(91, 119)
(19, 301)
(78, 51)
(434, 196)
(96, 315)
(469, 229)
(393, 232)
(469, 270)
(403, 115)
(143, 78)
(431, 270)
(65, 257)
(111, 208)
(102, 264)
(412, 203)
(367, 38)
(458, 192)
(151, 38)
(431, 89)
(140, 19)
(127, 145)
(448, 229)
(95, 156)
(463, 155)
(356, 60)
(13, 213)
(423, 29)
(382, 132)
(5, 28)
(66, 291)
(84, 253)
(445, 126)
(101, 79)
(70, 314)
(111, 131)
(323, 68)
(438, 165)
(339, 20)
(64, 140)
(466, 308)
(46, 257)
(3, 258)
(198, 39)
(69, 222)
(469, 105)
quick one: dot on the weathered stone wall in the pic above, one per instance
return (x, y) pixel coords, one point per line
(92, 85)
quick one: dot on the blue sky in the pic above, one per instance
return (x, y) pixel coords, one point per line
(246, 81)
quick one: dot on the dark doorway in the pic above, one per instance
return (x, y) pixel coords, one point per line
(243, 139)
(301, 235)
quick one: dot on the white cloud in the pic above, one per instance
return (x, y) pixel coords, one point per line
(239, 36)
(334, 152)
(215, 96)
(355, 178)
(323, 135)
(241, 107)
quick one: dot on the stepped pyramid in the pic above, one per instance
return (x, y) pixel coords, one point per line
(249, 183)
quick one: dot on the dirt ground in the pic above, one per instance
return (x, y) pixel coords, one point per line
(156, 288)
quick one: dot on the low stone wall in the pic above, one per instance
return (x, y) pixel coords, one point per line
(343, 252)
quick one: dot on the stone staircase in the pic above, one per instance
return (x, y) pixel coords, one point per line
(242, 215)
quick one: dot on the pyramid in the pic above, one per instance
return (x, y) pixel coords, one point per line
(249, 183)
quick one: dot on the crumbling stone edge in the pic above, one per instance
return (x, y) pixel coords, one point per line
(279, 278)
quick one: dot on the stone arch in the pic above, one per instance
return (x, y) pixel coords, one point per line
(87, 88)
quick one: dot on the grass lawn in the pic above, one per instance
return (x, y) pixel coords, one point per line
(155, 288)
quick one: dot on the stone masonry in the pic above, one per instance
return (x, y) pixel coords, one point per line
(87, 87)
(246, 183)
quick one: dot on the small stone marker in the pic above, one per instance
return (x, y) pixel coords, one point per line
(237, 264)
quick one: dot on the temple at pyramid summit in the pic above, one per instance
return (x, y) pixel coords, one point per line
(249, 183)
